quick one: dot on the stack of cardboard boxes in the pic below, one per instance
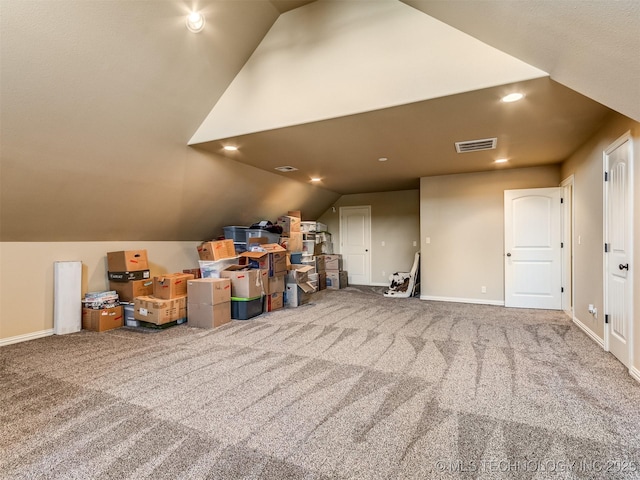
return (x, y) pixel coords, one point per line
(167, 304)
(209, 302)
(270, 261)
(331, 265)
(129, 274)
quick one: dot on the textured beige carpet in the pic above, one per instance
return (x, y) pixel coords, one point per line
(353, 385)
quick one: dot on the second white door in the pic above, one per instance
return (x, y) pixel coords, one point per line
(355, 243)
(532, 242)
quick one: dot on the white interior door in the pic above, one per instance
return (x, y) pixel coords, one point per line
(532, 242)
(618, 231)
(355, 243)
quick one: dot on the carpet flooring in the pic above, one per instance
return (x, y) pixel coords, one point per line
(351, 386)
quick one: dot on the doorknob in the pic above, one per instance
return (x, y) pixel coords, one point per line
(623, 267)
(508, 254)
(366, 249)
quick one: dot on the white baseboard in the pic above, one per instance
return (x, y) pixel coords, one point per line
(378, 284)
(498, 303)
(25, 337)
(588, 331)
(635, 373)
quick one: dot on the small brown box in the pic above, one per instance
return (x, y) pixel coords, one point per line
(127, 261)
(159, 311)
(210, 291)
(102, 320)
(171, 285)
(217, 250)
(208, 316)
(127, 291)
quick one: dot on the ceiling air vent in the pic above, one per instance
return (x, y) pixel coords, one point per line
(286, 168)
(476, 145)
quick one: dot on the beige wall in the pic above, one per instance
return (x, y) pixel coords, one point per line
(26, 276)
(395, 220)
(587, 167)
(463, 216)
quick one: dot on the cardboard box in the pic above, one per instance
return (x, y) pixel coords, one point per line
(127, 261)
(245, 283)
(274, 301)
(201, 315)
(272, 258)
(332, 262)
(102, 320)
(292, 242)
(298, 287)
(159, 311)
(295, 213)
(217, 250)
(336, 280)
(171, 285)
(129, 290)
(298, 294)
(196, 272)
(273, 284)
(129, 276)
(289, 224)
(300, 273)
(210, 291)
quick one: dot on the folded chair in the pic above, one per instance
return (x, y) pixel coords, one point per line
(403, 284)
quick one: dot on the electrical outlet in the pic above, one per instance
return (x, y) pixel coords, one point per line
(483, 289)
(415, 243)
(428, 240)
(384, 274)
(382, 243)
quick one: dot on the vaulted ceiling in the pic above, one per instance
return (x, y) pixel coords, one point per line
(417, 138)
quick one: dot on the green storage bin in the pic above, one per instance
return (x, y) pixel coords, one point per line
(246, 308)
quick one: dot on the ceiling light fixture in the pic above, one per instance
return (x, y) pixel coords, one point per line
(383, 159)
(316, 179)
(230, 148)
(286, 168)
(195, 22)
(501, 160)
(512, 97)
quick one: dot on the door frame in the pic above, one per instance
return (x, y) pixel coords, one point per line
(568, 219)
(626, 137)
(558, 230)
(368, 207)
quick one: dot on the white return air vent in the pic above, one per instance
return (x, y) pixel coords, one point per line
(476, 145)
(286, 168)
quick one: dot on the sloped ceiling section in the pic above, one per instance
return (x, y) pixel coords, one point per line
(591, 47)
(330, 59)
(98, 102)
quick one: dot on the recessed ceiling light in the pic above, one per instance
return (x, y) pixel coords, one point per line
(230, 148)
(383, 159)
(316, 179)
(195, 22)
(286, 168)
(502, 160)
(513, 97)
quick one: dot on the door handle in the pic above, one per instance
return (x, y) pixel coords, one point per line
(623, 267)
(508, 254)
(366, 249)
